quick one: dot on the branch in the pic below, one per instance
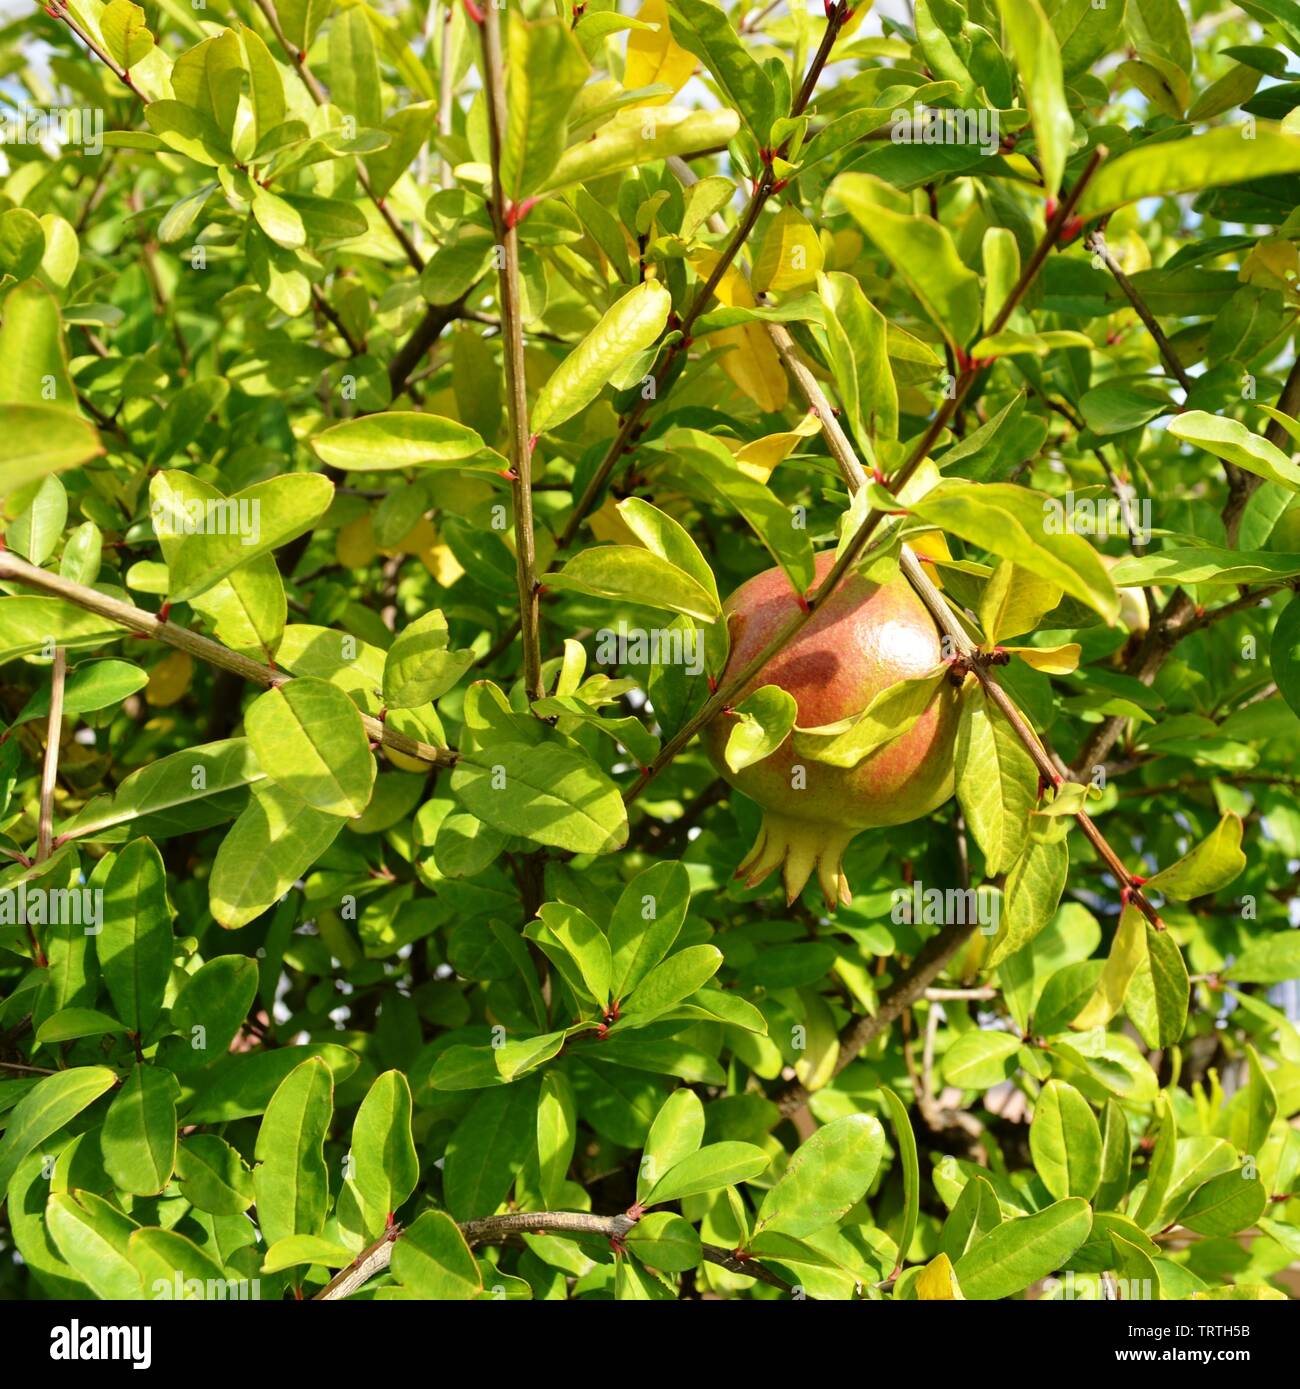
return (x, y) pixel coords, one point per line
(56, 11)
(496, 1229)
(766, 185)
(730, 690)
(909, 987)
(504, 219)
(1096, 243)
(50, 770)
(15, 570)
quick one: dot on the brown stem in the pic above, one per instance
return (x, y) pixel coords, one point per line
(512, 338)
(50, 769)
(1096, 243)
(495, 1229)
(57, 11)
(18, 571)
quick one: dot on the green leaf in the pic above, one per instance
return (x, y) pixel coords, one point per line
(1038, 62)
(1210, 866)
(1019, 1252)
(890, 714)
(33, 360)
(210, 1009)
(703, 29)
(1189, 163)
(385, 1167)
(172, 788)
(585, 943)
(171, 1266)
(1233, 442)
(922, 253)
(1159, 991)
(1019, 524)
(546, 69)
(997, 782)
(35, 531)
(828, 1175)
(628, 139)
(557, 1135)
(70, 1023)
(401, 439)
(857, 343)
(630, 326)
(1065, 1140)
(94, 1237)
(1225, 1204)
(212, 1175)
(94, 685)
(488, 1148)
(905, 1142)
(293, 1250)
(979, 1060)
(138, 1139)
(281, 509)
(1205, 564)
(301, 19)
(308, 737)
(1284, 654)
(291, 1180)
(433, 1261)
(241, 1085)
(765, 718)
(135, 942)
(665, 1241)
(1272, 960)
(647, 919)
(1032, 894)
(419, 668)
(354, 66)
(709, 1169)
(1128, 953)
(37, 439)
(276, 838)
(668, 983)
(548, 793)
(677, 1132)
(51, 1103)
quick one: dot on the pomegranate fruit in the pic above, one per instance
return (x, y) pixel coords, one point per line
(866, 638)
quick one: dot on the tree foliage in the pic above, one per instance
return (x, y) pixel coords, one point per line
(391, 396)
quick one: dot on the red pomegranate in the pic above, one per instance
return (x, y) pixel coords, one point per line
(867, 637)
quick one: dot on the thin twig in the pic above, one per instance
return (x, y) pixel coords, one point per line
(504, 218)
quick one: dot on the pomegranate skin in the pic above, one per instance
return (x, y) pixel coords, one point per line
(866, 638)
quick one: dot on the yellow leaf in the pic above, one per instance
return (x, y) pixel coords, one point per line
(1014, 601)
(609, 527)
(759, 457)
(938, 1283)
(442, 564)
(416, 541)
(1051, 660)
(789, 255)
(169, 679)
(354, 546)
(654, 56)
(749, 358)
(930, 545)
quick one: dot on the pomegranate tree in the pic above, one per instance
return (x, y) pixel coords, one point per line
(867, 637)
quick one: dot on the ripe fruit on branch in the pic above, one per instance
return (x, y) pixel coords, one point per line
(865, 639)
